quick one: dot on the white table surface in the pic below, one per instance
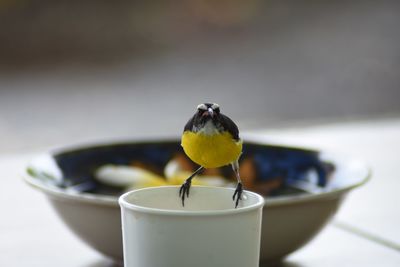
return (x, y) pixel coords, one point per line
(365, 231)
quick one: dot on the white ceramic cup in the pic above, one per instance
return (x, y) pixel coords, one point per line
(208, 231)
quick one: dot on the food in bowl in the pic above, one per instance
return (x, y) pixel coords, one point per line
(303, 187)
(259, 172)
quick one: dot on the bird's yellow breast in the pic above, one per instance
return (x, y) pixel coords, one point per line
(211, 151)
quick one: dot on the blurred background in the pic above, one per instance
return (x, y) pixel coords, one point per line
(76, 71)
(324, 72)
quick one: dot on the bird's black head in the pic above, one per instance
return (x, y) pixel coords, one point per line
(209, 119)
(208, 110)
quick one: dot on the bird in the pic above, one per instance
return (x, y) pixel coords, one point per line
(211, 140)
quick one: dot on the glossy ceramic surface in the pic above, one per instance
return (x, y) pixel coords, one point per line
(159, 231)
(290, 218)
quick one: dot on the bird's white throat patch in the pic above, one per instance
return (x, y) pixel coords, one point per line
(208, 128)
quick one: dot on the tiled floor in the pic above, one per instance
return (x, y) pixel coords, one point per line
(365, 232)
(32, 235)
(373, 207)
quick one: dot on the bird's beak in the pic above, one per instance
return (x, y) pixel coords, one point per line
(208, 112)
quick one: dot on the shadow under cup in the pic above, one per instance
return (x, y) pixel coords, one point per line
(208, 231)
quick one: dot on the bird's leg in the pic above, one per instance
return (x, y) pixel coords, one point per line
(239, 188)
(184, 190)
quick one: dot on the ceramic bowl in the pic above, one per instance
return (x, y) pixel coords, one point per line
(291, 217)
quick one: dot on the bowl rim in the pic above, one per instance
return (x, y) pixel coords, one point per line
(106, 200)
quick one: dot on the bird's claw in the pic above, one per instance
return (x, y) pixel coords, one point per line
(237, 196)
(184, 190)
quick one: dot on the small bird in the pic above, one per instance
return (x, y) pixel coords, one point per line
(211, 140)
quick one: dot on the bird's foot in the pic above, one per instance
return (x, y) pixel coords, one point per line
(184, 190)
(237, 196)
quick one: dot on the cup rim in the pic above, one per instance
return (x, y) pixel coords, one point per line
(124, 204)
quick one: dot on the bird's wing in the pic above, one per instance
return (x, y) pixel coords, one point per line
(189, 124)
(230, 126)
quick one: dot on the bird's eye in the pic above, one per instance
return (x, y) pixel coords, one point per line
(202, 107)
(215, 106)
